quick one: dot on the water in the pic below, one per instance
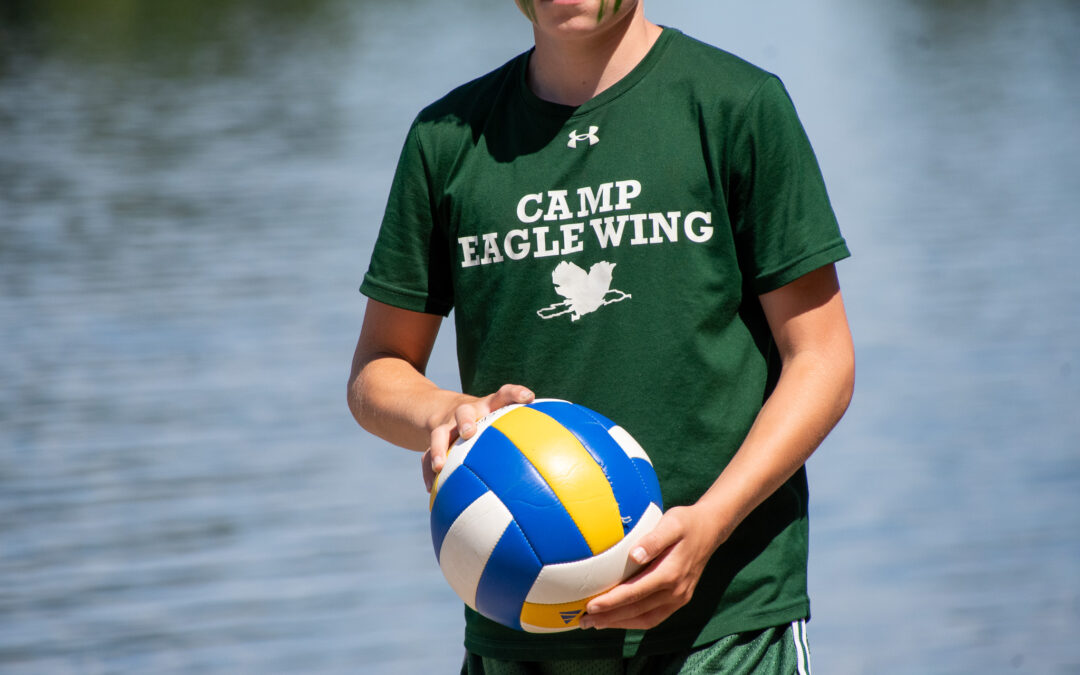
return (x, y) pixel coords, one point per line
(188, 197)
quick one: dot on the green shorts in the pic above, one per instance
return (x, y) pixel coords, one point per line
(781, 650)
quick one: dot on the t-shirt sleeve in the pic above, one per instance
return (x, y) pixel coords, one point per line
(410, 266)
(783, 223)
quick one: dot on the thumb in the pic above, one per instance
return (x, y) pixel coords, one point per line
(660, 538)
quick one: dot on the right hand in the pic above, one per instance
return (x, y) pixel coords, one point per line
(460, 422)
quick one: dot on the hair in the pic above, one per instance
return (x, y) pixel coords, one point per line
(527, 7)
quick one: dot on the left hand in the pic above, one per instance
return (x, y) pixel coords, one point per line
(676, 552)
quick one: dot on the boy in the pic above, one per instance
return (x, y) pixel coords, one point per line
(634, 221)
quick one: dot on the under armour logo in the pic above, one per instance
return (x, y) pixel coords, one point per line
(591, 137)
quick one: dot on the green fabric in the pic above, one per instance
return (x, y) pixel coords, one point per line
(613, 254)
(780, 650)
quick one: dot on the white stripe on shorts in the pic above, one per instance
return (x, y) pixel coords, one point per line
(802, 648)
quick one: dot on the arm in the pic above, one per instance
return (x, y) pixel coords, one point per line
(389, 395)
(809, 325)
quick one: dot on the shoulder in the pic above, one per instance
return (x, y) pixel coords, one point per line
(714, 68)
(732, 94)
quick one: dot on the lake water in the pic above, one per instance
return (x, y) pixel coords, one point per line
(189, 193)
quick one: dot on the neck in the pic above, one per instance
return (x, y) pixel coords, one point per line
(573, 69)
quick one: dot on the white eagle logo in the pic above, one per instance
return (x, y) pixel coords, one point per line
(584, 292)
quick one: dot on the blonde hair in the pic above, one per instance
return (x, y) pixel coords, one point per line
(527, 8)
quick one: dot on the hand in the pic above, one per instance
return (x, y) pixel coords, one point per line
(677, 550)
(460, 422)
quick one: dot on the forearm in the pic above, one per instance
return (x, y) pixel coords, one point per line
(810, 397)
(392, 399)
(389, 395)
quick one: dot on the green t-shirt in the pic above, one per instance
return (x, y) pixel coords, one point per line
(612, 254)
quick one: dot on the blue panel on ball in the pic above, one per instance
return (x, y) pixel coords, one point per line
(630, 488)
(543, 519)
(600, 419)
(648, 476)
(509, 574)
(454, 496)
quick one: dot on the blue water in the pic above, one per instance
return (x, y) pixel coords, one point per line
(188, 198)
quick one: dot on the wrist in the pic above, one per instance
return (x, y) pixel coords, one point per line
(718, 515)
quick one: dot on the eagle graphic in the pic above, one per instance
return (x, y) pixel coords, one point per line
(585, 292)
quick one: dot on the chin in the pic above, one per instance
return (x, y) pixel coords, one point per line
(579, 14)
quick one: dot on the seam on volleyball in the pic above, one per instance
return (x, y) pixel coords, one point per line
(633, 464)
(637, 472)
(644, 485)
(512, 519)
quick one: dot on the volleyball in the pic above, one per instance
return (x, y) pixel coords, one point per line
(537, 513)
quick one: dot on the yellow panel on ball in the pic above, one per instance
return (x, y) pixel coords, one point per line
(570, 471)
(553, 618)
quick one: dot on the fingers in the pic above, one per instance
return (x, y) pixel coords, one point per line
(441, 438)
(634, 590)
(643, 601)
(426, 467)
(666, 534)
(434, 458)
(466, 415)
(665, 585)
(645, 614)
(510, 393)
(462, 424)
